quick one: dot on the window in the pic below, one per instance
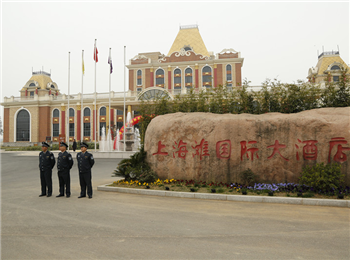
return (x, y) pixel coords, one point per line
(56, 113)
(159, 77)
(119, 125)
(55, 130)
(71, 112)
(177, 78)
(56, 123)
(139, 78)
(154, 94)
(22, 126)
(32, 85)
(188, 49)
(102, 111)
(335, 67)
(228, 73)
(87, 111)
(31, 93)
(335, 78)
(52, 86)
(188, 77)
(71, 129)
(119, 112)
(206, 76)
(139, 90)
(86, 129)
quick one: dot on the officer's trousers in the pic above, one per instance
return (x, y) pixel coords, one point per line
(46, 182)
(64, 180)
(85, 182)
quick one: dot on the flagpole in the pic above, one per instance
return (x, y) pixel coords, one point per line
(95, 123)
(124, 101)
(82, 105)
(67, 130)
(109, 101)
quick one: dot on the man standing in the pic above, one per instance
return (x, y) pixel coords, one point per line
(74, 146)
(46, 163)
(85, 163)
(64, 164)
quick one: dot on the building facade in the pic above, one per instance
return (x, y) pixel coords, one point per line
(41, 112)
(329, 68)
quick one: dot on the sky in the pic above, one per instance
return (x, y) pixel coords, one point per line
(276, 39)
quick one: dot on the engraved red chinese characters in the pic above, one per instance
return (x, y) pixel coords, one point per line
(339, 156)
(276, 149)
(201, 149)
(223, 149)
(182, 150)
(246, 151)
(160, 147)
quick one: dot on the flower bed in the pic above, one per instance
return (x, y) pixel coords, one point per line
(280, 189)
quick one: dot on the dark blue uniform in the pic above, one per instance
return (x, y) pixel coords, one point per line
(85, 163)
(64, 164)
(46, 163)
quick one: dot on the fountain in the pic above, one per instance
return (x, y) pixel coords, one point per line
(105, 144)
(129, 134)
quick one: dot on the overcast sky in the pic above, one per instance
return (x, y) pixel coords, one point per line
(276, 39)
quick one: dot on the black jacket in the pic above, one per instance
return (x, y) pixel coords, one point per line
(85, 162)
(46, 161)
(64, 161)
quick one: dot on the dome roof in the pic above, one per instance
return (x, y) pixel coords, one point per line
(40, 80)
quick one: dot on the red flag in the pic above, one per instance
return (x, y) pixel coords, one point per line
(115, 143)
(95, 54)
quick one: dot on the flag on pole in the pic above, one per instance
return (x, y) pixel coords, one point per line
(82, 58)
(95, 53)
(110, 63)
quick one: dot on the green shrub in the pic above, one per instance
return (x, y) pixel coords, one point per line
(136, 168)
(322, 177)
(248, 177)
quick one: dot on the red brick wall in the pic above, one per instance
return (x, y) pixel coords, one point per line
(6, 126)
(147, 78)
(131, 80)
(220, 75)
(44, 123)
(238, 74)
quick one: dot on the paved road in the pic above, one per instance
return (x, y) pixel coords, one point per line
(127, 226)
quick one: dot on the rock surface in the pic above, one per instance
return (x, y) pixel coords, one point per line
(275, 146)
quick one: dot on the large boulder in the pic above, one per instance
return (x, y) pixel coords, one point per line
(275, 146)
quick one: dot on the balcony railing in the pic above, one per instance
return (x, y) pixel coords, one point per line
(326, 53)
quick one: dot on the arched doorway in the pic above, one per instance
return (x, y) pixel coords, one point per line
(23, 126)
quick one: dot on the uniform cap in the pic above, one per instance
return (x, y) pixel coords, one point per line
(84, 145)
(63, 144)
(44, 144)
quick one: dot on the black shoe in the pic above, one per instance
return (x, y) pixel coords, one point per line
(49, 195)
(60, 195)
(68, 196)
(42, 195)
(90, 197)
(81, 197)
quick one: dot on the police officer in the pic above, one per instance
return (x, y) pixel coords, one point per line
(64, 164)
(85, 163)
(46, 163)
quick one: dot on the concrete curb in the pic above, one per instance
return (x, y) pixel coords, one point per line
(242, 198)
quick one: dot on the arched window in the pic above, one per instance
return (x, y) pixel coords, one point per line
(206, 76)
(56, 113)
(32, 85)
(335, 67)
(229, 75)
(87, 126)
(56, 123)
(71, 122)
(139, 78)
(102, 111)
(160, 78)
(71, 112)
(87, 111)
(23, 126)
(177, 79)
(188, 77)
